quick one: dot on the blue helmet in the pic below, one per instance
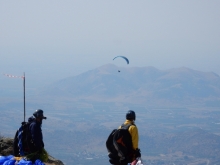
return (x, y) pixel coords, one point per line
(130, 115)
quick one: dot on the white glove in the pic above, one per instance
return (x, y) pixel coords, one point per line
(139, 162)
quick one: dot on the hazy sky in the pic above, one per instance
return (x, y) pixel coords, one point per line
(50, 39)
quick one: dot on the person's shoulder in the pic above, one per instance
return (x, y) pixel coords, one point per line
(31, 119)
(133, 126)
(33, 123)
(129, 124)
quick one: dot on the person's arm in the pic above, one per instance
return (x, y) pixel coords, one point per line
(135, 139)
(134, 136)
(36, 135)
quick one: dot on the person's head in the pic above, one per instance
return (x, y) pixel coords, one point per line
(130, 115)
(39, 115)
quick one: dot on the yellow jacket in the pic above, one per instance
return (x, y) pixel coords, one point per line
(133, 130)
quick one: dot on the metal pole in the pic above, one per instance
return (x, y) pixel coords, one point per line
(24, 94)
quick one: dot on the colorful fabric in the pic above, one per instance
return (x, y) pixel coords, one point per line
(38, 162)
(17, 158)
(11, 160)
(5, 158)
(24, 162)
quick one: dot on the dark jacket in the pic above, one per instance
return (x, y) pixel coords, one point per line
(36, 134)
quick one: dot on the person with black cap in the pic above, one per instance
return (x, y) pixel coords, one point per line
(36, 131)
(133, 130)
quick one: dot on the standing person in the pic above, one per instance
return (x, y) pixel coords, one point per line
(133, 152)
(122, 143)
(36, 133)
(133, 130)
(28, 140)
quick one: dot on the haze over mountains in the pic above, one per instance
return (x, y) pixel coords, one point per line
(140, 85)
(177, 113)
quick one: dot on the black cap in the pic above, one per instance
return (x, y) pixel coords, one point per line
(130, 115)
(39, 113)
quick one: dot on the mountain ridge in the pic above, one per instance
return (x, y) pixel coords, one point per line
(141, 85)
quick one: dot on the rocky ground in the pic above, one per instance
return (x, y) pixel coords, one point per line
(6, 148)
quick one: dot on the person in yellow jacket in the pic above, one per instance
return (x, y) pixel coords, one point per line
(133, 130)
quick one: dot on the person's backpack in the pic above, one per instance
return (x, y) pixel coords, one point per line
(119, 145)
(22, 140)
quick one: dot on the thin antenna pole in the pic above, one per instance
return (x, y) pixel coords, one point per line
(24, 94)
(23, 86)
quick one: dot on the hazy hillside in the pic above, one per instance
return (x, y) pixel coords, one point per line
(143, 85)
(177, 114)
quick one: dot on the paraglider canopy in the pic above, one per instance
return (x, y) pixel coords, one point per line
(123, 58)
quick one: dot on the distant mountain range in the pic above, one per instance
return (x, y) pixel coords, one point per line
(82, 110)
(140, 85)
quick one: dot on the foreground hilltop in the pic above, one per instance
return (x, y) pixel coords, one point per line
(6, 148)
